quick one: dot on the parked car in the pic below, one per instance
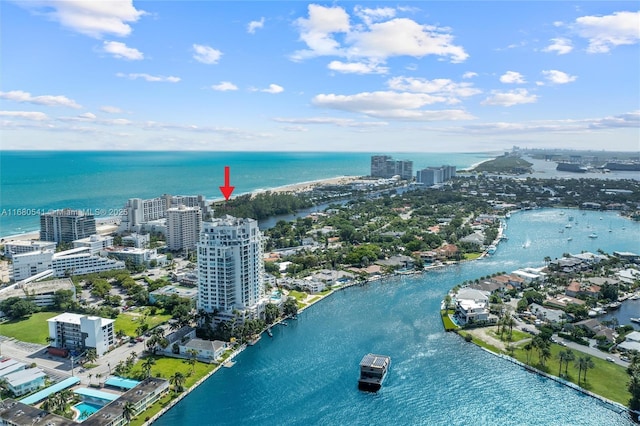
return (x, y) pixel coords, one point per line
(610, 359)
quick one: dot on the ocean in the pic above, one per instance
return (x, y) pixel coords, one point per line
(36, 181)
(307, 373)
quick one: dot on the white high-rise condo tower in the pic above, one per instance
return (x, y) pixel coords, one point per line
(231, 268)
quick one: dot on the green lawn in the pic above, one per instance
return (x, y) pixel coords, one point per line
(299, 295)
(33, 329)
(606, 378)
(165, 367)
(153, 410)
(516, 336)
(471, 256)
(130, 321)
(447, 322)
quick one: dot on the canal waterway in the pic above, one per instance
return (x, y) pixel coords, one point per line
(307, 372)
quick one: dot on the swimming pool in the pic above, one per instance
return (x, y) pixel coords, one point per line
(86, 409)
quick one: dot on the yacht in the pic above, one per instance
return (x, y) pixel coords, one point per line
(593, 235)
(635, 320)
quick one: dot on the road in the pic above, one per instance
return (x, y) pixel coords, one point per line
(593, 351)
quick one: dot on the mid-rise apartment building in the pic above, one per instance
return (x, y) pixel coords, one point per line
(66, 225)
(183, 227)
(80, 332)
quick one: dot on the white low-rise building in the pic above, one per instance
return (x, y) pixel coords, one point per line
(138, 256)
(206, 349)
(25, 381)
(79, 332)
(77, 261)
(42, 293)
(10, 365)
(19, 247)
(95, 243)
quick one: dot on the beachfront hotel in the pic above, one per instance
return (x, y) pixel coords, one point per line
(65, 226)
(80, 332)
(230, 267)
(139, 212)
(435, 175)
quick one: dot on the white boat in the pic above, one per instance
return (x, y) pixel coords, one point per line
(593, 235)
(635, 320)
(568, 225)
(491, 249)
(570, 238)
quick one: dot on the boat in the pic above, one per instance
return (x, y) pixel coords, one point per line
(508, 215)
(614, 305)
(491, 249)
(526, 244)
(373, 370)
(593, 235)
(269, 333)
(635, 320)
(568, 225)
(570, 238)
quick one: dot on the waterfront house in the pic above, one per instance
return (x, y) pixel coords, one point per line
(562, 301)
(206, 349)
(472, 305)
(547, 315)
(631, 342)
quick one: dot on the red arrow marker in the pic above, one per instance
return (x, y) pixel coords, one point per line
(226, 189)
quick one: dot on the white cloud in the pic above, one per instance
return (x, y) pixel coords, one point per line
(121, 51)
(560, 45)
(373, 15)
(25, 115)
(609, 31)
(449, 90)
(357, 67)
(254, 25)
(469, 74)
(374, 41)
(111, 109)
(513, 97)
(340, 122)
(87, 116)
(206, 54)
(558, 77)
(404, 37)
(91, 18)
(316, 31)
(512, 77)
(148, 77)
(48, 100)
(391, 105)
(224, 86)
(273, 88)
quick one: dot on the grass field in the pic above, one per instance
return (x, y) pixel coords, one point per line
(165, 367)
(33, 329)
(130, 321)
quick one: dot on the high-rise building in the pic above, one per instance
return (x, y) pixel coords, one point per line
(385, 167)
(183, 227)
(230, 267)
(435, 175)
(64, 226)
(139, 212)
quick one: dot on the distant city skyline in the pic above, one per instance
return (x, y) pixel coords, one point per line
(367, 76)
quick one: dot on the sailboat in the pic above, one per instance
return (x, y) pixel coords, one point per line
(527, 243)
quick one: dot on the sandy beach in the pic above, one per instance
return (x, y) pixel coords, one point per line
(297, 188)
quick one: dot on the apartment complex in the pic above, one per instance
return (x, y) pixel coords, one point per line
(230, 267)
(384, 166)
(77, 261)
(19, 247)
(140, 212)
(183, 227)
(435, 175)
(95, 243)
(66, 225)
(80, 332)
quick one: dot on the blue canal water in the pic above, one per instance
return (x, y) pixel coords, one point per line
(307, 373)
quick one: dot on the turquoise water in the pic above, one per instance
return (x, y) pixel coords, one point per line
(307, 374)
(103, 181)
(86, 409)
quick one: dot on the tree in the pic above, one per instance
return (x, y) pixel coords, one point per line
(177, 380)
(562, 358)
(128, 411)
(528, 347)
(271, 312)
(290, 307)
(146, 366)
(587, 363)
(569, 357)
(17, 308)
(91, 356)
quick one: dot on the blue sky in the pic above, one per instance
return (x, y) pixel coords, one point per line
(328, 76)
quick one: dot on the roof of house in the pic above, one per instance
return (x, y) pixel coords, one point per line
(24, 376)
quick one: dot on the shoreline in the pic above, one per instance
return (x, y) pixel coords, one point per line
(294, 188)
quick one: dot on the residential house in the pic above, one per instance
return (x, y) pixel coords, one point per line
(472, 305)
(206, 349)
(631, 342)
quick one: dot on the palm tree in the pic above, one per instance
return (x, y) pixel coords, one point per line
(146, 366)
(90, 376)
(192, 358)
(570, 356)
(91, 356)
(545, 354)
(580, 363)
(562, 357)
(177, 380)
(128, 411)
(588, 363)
(528, 347)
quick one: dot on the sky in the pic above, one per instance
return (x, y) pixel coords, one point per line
(373, 76)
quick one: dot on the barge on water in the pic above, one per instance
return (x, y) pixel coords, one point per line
(373, 370)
